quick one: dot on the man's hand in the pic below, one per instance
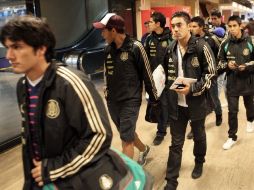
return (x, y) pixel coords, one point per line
(36, 172)
(184, 90)
(232, 65)
(242, 67)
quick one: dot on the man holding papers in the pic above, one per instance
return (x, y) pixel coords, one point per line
(155, 46)
(187, 57)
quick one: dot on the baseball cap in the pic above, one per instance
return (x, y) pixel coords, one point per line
(219, 31)
(110, 20)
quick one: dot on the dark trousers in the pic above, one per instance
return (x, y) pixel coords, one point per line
(233, 108)
(215, 97)
(163, 120)
(177, 130)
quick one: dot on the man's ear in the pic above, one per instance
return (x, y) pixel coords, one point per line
(42, 50)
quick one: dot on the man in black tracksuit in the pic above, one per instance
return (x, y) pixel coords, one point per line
(155, 46)
(66, 134)
(126, 67)
(197, 29)
(187, 57)
(236, 57)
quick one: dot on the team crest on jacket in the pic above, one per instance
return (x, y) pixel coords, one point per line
(164, 44)
(106, 182)
(195, 62)
(52, 110)
(246, 51)
(124, 56)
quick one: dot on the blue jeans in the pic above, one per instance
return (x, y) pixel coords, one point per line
(215, 98)
(222, 83)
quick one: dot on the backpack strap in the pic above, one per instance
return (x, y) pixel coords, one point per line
(250, 46)
(226, 47)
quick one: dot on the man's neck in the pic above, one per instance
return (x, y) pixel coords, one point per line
(119, 40)
(239, 35)
(202, 34)
(183, 42)
(159, 30)
(38, 71)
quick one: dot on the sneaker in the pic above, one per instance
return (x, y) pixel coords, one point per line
(197, 171)
(228, 144)
(190, 135)
(143, 155)
(218, 119)
(157, 140)
(250, 127)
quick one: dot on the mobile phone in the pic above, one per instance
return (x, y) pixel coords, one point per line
(180, 86)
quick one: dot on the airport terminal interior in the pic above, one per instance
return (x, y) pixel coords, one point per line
(81, 47)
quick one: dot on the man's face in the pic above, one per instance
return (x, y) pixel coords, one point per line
(234, 29)
(153, 25)
(216, 21)
(23, 58)
(108, 35)
(180, 28)
(147, 27)
(195, 28)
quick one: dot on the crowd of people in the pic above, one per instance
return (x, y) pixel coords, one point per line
(66, 134)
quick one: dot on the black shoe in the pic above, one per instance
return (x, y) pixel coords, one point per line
(218, 120)
(197, 171)
(157, 140)
(190, 135)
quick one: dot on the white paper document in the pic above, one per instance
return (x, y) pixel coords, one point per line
(159, 79)
(177, 84)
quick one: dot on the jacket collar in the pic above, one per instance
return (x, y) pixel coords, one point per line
(126, 44)
(164, 36)
(191, 44)
(236, 40)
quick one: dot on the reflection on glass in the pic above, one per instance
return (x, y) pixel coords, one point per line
(10, 118)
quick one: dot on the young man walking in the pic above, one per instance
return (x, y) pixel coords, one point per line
(188, 57)
(155, 46)
(236, 57)
(126, 67)
(66, 134)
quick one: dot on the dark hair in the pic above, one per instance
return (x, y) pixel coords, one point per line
(250, 28)
(182, 14)
(199, 20)
(33, 31)
(159, 17)
(235, 18)
(216, 12)
(116, 22)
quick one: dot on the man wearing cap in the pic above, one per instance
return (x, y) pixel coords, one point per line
(126, 67)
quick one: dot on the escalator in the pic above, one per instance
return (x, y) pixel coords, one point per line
(78, 45)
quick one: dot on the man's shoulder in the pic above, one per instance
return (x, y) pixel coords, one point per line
(21, 81)
(71, 74)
